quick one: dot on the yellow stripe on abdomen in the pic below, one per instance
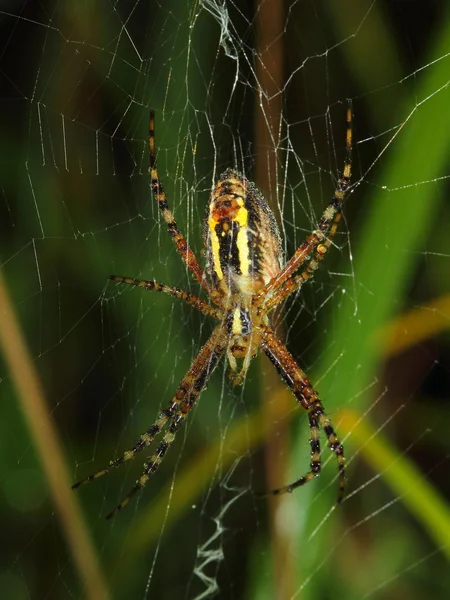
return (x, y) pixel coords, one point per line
(215, 248)
(242, 241)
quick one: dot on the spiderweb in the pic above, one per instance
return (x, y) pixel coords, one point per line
(87, 365)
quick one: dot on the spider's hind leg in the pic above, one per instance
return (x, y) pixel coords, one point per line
(333, 443)
(318, 419)
(307, 396)
(184, 400)
(144, 440)
(315, 464)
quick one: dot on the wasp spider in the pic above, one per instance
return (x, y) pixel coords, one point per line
(244, 279)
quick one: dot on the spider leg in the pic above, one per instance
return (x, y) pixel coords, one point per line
(184, 400)
(330, 216)
(307, 396)
(181, 244)
(293, 283)
(151, 285)
(144, 440)
(199, 366)
(315, 464)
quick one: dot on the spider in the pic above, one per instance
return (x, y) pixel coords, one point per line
(245, 279)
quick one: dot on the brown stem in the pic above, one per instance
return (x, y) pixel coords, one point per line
(269, 73)
(37, 416)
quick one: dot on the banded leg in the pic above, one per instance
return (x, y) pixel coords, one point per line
(144, 440)
(184, 400)
(199, 366)
(315, 464)
(293, 283)
(155, 286)
(329, 217)
(307, 396)
(181, 244)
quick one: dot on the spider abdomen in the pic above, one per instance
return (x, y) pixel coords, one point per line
(241, 236)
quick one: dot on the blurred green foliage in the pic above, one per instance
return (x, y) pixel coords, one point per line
(76, 208)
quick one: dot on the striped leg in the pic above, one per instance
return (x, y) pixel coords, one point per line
(144, 440)
(184, 400)
(315, 464)
(197, 374)
(317, 237)
(181, 244)
(307, 396)
(293, 283)
(155, 286)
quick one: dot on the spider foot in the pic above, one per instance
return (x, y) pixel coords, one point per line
(288, 489)
(95, 475)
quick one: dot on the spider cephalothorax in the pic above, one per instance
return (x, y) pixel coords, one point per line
(245, 278)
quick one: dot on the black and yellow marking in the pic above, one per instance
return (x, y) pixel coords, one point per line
(241, 236)
(239, 322)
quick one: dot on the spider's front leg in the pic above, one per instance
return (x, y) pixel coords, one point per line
(300, 386)
(282, 284)
(155, 286)
(183, 248)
